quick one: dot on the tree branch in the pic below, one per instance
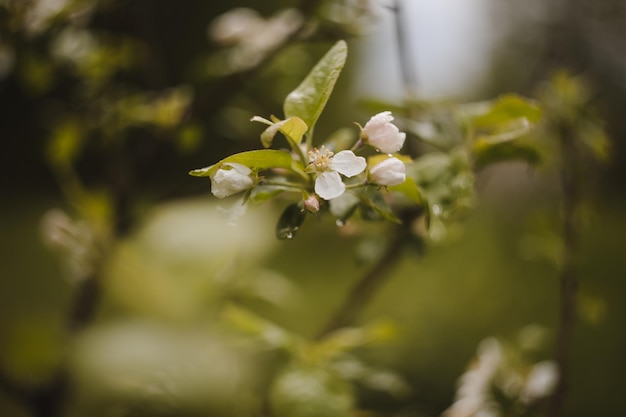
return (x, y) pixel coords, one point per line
(568, 278)
(365, 288)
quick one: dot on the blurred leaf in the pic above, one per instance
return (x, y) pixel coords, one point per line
(259, 159)
(343, 206)
(65, 143)
(263, 193)
(341, 139)
(305, 391)
(486, 153)
(374, 201)
(309, 99)
(596, 140)
(290, 221)
(342, 340)
(37, 73)
(158, 370)
(498, 115)
(445, 180)
(189, 137)
(410, 190)
(382, 380)
(253, 325)
(592, 308)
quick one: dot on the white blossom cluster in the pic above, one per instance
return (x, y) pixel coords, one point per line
(493, 370)
(328, 168)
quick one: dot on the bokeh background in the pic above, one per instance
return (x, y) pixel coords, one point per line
(127, 97)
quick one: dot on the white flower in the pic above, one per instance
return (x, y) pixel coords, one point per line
(328, 183)
(380, 133)
(391, 171)
(230, 179)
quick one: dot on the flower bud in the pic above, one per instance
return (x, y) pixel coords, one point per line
(230, 179)
(312, 204)
(391, 171)
(380, 133)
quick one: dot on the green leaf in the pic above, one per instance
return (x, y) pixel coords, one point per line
(290, 221)
(309, 99)
(341, 139)
(486, 153)
(249, 323)
(347, 338)
(495, 115)
(293, 128)
(309, 391)
(375, 202)
(263, 193)
(260, 159)
(410, 190)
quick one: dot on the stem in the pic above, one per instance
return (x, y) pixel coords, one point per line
(407, 67)
(408, 71)
(568, 277)
(294, 186)
(365, 288)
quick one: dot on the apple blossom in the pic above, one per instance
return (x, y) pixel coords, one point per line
(327, 166)
(231, 178)
(380, 133)
(391, 171)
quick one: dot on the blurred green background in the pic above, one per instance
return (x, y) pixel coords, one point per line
(134, 99)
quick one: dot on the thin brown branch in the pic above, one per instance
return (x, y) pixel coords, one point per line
(568, 277)
(366, 286)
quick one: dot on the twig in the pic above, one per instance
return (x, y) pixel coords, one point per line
(408, 70)
(405, 52)
(365, 288)
(568, 278)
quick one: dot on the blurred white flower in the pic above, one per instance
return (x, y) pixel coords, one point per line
(250, 36)
(540, 381)
(74, 45)
(41, 13)
(383, 135)
(328, 166)
(74, 241)
(472, 396)
(230, 179)
(235, 25)
(391, 171)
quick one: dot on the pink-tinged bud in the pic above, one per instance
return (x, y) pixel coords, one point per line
(380, 133)
(312, 204)
(391, 171)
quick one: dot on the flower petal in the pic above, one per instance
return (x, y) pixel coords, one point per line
(348, 164)
(391, 171)
(226, 182)
(379, 119)
(328, 185)
(382, 134)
